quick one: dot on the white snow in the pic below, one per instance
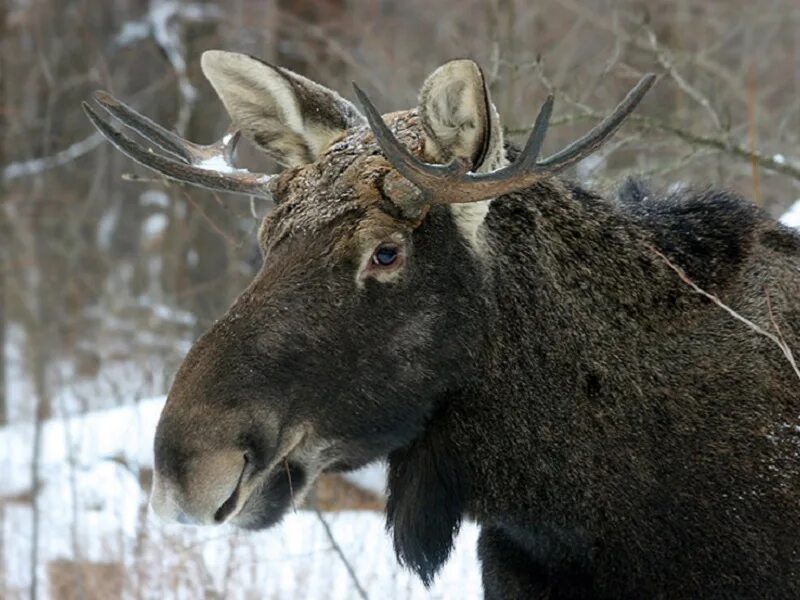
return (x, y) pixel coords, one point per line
(154, 225)
(35, 166)
(677, 187)
(93, 508)
(157, 198)
(85, 441)
(792, 216)
(192, 257)
(372, 478)
(217, 163)
(586, 168)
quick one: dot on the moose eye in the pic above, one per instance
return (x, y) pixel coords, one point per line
(385, 256)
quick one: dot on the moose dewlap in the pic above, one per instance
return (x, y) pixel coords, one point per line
(606, 385)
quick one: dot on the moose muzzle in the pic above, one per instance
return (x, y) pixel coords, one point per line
(207, 491)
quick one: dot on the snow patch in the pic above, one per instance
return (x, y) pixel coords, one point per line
(218, 163)
(93, 508)
(85, 441)
(792, 216)
(154, 225)
(156, 198)
(372, 477)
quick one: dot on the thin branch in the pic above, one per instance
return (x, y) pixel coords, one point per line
(778, 341)
(338, 549)
(596, 20)
(291, 487)
(199, 208)
(164, 19)
(160, 24)
(36, 166)
(665, 60)
(783, 166)
(751, 137)
(772, 317)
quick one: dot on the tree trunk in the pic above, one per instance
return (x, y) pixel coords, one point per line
(5, 258)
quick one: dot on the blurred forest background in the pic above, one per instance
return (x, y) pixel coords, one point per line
(107, 274)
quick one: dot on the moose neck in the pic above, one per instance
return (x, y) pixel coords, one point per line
(550, 253)
(568, 272)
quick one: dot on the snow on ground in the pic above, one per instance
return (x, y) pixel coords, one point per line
(792, 216)
(93, 508)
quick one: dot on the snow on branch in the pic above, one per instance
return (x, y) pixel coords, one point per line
(35, 166)
(792, 216)
(162, 23)
(164, 19)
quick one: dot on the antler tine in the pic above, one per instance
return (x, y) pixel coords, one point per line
(208, 166)
(151, 130)
(454, 184)
(187, 151)
(530, 152)
(228, 143)
(420, 173)
(581, 148)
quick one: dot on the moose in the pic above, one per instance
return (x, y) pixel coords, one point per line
(593, 380)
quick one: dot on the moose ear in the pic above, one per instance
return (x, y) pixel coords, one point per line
(288, 116)
(459, 118)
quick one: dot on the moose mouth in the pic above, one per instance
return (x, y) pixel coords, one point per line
(268, 501)
(265, 491)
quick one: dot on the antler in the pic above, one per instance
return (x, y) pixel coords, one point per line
(453, 183)
(208, 166)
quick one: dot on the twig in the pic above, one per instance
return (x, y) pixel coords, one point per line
(134, 178)
(35, 166)
(338, 549)
(751, 136)
(665, 60)
(784, 167)
(199, 208)
(164, 28)
(159, 23)
(778, 341)
(596, 20)
(772, 317)
(291, 487)
(660, 171)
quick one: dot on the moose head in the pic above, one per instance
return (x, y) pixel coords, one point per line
(369, 306)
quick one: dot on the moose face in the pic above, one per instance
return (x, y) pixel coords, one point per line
(361, 316)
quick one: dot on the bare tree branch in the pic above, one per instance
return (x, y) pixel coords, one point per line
(35, 166)
(163, 19)
(776, 339)
(664, 58)
(160, 23)
(776, 163)
(338, 549)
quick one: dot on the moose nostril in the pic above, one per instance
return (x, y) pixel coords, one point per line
(229, 506)
(224, 511)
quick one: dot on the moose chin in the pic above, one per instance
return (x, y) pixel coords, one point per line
(586, 377)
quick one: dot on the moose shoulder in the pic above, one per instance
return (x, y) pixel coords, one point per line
(525, 353)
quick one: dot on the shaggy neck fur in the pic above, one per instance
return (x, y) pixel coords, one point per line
(605, 387)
